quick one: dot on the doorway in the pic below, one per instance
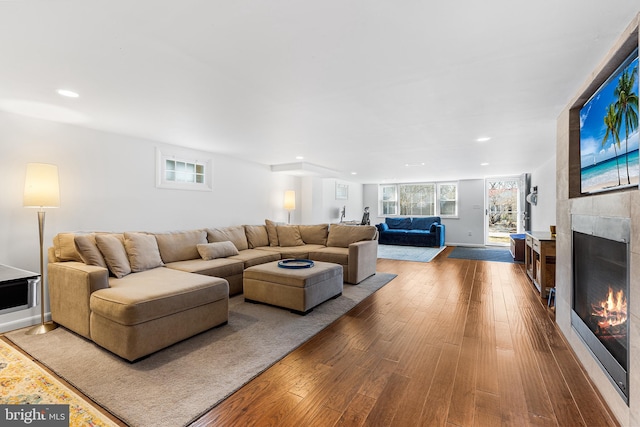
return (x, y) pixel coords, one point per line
(504, 208)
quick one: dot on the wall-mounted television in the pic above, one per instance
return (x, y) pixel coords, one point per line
(609, 132)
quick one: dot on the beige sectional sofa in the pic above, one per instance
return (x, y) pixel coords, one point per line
(136, 293)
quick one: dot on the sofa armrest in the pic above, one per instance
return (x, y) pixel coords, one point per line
(363, 258)
(440, 234)
(70, 287)
(382, 227)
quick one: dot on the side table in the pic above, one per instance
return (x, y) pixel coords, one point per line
(18, 289)
(540, 260)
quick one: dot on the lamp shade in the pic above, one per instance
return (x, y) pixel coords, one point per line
(290, 200)
(41, 189)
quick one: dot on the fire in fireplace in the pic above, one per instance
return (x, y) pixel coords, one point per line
(600, 292)
(611, 316)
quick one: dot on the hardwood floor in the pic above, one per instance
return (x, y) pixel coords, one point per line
(451, 342)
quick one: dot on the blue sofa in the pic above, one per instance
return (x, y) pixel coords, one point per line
(421, 231)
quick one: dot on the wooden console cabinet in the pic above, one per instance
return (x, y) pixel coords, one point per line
(540, 260)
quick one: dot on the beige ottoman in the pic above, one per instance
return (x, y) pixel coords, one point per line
(299, 290)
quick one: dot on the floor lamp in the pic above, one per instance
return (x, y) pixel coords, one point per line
(41, 190)
(289, 202)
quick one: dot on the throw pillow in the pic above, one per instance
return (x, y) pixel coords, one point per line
(112, 248)
(289, 235)
(88, 250)
(271, 232)
(234, 234)
(180, 245)
(142, 251)
(65, 248)
(341, 236)
(314, 234)
(432, 229)
(217, 250)
(256, 236)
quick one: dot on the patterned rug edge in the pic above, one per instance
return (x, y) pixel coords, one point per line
(25, 382)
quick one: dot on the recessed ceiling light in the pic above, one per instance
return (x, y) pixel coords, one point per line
(299, 157)
(483, 139)
(354, 173)
(68, 93)
(484, 164)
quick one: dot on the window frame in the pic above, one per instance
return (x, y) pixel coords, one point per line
(187, 157)
(437, 199)
(440, 200)
(393, 200)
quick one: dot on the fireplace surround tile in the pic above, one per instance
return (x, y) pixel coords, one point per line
(635, 231)
(634, 286)
(634, 366)
(611, 204)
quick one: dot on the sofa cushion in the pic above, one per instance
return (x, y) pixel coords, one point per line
(112, 248)
(421, 223)
(342, 236)
(395, 223)
(65, 247)
(292, 251)
(331, 254)
(217, 250)
(314, 234)
(256, 235)
(252, 257)
(142, 251)
(289, 235)
(155, 293)
(88, 250)
(272, 232)
(219, 267)
(180, 245)
(234, 234)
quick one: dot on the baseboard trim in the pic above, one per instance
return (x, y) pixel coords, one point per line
(23, 322)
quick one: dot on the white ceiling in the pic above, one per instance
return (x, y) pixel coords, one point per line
(353, 86)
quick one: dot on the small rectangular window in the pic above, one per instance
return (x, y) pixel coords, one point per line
(182, 170)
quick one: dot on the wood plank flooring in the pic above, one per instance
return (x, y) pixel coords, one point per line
(447, 343)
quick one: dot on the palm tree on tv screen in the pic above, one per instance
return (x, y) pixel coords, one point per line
(611, 123)
(626, 107)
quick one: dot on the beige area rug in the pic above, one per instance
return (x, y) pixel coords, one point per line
(177, 385)
(23, 382)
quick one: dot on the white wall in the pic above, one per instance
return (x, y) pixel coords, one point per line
(468, 228)
(331, 206)
(319, 203)
(107, 182)
(544, 213)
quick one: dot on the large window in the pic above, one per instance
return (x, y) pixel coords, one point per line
(419, 199)
(183, 171)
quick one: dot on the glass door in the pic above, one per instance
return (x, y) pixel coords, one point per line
(503, 209)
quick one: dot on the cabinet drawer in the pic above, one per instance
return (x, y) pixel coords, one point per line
(529, 240)
(536, 245)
